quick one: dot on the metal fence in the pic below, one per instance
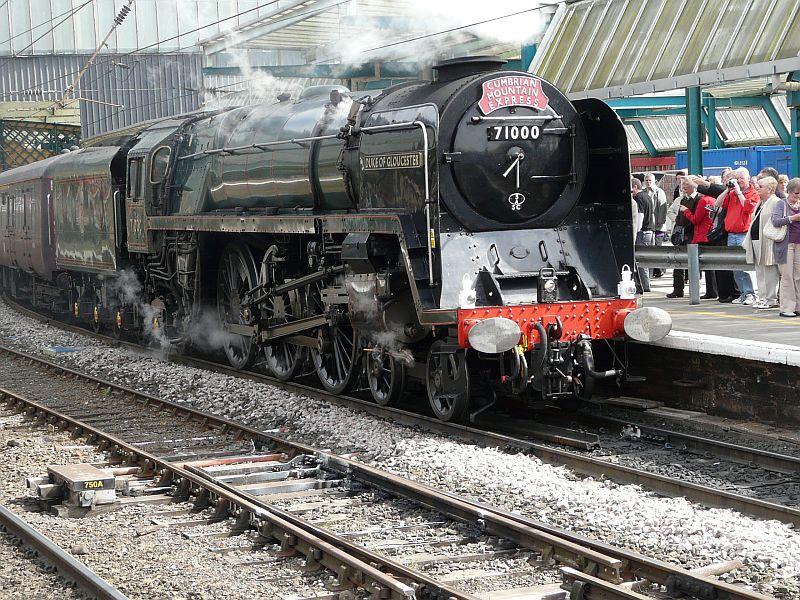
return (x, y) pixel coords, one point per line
(23, 142)
(695, 258)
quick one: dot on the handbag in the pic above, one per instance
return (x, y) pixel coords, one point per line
(678, 237)
(717, 233)
(776, 234)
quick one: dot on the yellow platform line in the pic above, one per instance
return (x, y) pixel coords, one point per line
(775, 319)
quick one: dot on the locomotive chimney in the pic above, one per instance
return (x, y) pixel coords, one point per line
(464, 66)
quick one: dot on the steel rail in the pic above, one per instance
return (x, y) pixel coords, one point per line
(781, 463)
(522, 535)
(404, 417)
(640, 565)
(67, 566)
(585, 465)
(677, 580)
(359, 572)
(584, 586)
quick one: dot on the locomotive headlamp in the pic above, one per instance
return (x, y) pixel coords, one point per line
(494, 335)
(548, 285)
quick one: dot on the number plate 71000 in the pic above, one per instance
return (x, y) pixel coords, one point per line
(505, 133)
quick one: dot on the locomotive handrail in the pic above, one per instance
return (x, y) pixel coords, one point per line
(259, 146)
(480, 118)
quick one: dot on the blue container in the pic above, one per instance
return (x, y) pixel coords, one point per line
(754, 158)
(777, 157)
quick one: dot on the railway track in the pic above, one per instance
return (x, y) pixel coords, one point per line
(554, 444)
(259, 481)
(67, 566)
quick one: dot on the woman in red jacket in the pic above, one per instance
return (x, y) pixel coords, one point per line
(701, 219)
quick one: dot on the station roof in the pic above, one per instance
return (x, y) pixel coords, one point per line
(333, 30)
(657, 45)
(738, 127)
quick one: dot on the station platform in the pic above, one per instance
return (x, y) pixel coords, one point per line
(726, 360)
(726, 329)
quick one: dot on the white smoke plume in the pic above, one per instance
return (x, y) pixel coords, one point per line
(206, 332)
(257, 85)
(127, 288)
(425, 17)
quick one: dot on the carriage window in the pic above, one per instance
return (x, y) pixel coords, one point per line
(158, 168)
(134, 178)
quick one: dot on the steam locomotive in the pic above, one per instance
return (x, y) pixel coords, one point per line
(470, 234)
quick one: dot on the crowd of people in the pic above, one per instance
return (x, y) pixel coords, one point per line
(760, 213)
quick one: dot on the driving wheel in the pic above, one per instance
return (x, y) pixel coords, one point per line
(235, 277)
(336, 359)
(282, 357)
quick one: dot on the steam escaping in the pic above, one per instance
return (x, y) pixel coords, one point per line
(422, 17)
(376, 332)
(127, 288)
(206, 331)
(256, 85)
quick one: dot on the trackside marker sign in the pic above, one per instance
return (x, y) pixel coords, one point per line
(512, 91)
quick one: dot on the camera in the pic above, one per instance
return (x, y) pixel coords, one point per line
(731, 183)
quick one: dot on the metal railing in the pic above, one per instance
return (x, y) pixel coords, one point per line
(695, 258)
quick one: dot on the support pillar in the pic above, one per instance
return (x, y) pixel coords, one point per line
(793, 102)
(694, 131)
(527, 54)
(714, 141)
(775, 119)
(693, 252)
(645, 137)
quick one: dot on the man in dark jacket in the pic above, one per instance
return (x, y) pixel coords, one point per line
(644, 236)
(770, 172)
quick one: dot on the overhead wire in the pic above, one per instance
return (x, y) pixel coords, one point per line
(122, 56)
(157, 43)
(117, 57)
(138, 106)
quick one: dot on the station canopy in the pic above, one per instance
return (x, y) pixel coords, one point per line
(658, 45)
(733, 49)
(339, 31)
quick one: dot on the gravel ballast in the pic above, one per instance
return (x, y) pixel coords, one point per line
(162, 564)
(668, 528)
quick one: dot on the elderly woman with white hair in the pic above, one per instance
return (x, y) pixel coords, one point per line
(787, 251)
(759, 247)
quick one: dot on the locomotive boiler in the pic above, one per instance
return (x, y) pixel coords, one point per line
(469, 236)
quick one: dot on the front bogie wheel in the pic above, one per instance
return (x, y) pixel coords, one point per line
(386, 376)
(447, 382)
